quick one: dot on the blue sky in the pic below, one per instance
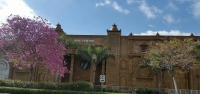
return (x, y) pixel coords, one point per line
(94, 17)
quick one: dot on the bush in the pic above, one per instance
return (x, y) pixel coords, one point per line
(146, 91)
(79, 86)
(47, 85)
(13, 90)
(31, 85)
(99, 89)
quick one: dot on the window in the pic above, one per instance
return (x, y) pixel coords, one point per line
(143, 48)
(84, 65)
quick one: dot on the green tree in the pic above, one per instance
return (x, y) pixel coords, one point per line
(197, 52)
(94, 55)
(157, 67)
(172, 54)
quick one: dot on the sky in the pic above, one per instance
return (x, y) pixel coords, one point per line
(94, 17)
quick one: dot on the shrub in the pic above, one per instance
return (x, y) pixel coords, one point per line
(146, 91)
(13, 90)
(31, 85)
(47, 85)
(79, 86)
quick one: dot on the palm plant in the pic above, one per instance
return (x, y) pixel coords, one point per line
(71, 44)
(94, 55)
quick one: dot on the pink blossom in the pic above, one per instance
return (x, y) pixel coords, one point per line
(29, 42)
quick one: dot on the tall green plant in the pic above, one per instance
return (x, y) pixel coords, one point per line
(94, 55)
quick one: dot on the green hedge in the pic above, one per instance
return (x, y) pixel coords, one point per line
(147, 91)
(78, 86)
(14, 90)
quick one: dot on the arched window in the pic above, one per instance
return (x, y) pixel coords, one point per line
(84, 65)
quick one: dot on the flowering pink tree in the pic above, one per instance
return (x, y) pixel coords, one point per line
(30, 42)
(1, 45)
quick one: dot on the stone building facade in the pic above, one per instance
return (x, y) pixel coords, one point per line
(124, 70)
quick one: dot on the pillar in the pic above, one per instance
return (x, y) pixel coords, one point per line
(103, 68)
(130, 65)
(71, 68)
(92, 72)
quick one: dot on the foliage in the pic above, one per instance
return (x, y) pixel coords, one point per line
(94, 55)
(78, 86)
(102, 89)
(197, 52)
(43, 91)
(146, 91)
(30, 42)
(67, 42)
(172, 54)
(71, 44)
(159, 69)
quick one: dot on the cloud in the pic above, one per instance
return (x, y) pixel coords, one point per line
(129, 1)
(114, 5)
(171, 6)
(163, 33)
(169, 18)
(156, 10)
(182, 1)
(151, 26)
(150, 12)
(118, 8)
(16, 7)
(106, 2)
(195, 9)
(134, 1)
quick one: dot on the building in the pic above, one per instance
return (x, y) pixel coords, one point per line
(123, 71)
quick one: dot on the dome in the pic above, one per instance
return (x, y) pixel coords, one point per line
(114, 27)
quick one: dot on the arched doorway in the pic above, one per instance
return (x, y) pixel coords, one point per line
(4, 69)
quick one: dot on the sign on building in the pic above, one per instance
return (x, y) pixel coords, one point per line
(102, 78)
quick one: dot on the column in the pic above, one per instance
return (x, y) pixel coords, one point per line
(103, 68)
(130, 61)
(71, 68)
(130, 65)
(117, 69)
(130, 46)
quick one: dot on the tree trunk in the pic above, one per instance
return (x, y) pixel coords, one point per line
(176, 90)
(159, 81)
(11, 77)
(31, 74)
(189, 79)
(93, 80)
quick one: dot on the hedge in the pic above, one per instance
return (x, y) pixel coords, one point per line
(14, 90)
(147, 91)
(78, 86)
